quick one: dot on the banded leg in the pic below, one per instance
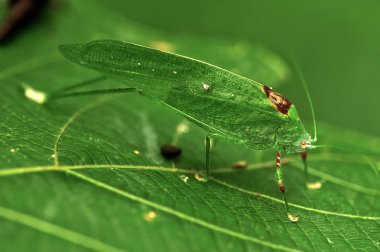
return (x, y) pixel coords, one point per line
(281, 185)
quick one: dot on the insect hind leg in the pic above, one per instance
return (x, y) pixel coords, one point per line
(78, 85)
(96, 92)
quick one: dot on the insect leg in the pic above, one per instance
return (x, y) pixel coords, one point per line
(208, 146)
(208, 149)
(304, 156)
(77, 85)
(97, 92)
(280, 183)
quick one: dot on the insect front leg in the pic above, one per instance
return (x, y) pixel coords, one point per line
(304, 156)
(281, 185)
(314, 185)
(208, 149)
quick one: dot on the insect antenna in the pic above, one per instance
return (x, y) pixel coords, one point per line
(375, 170)
(364, 156)
(306, 89)
(313, 146)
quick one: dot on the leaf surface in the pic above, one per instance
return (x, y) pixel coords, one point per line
(86, 174)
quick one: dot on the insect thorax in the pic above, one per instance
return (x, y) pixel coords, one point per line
(291, 134)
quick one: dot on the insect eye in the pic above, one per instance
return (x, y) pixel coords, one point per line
(303, 144)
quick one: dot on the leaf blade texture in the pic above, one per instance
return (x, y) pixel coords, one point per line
(110, 175)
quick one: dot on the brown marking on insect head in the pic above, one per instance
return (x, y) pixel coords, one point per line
(279, 102)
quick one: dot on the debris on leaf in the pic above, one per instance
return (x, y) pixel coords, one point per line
(13, 150)
(293, 218)
(205, 86)
(170, 151)
(184, 178)
(150, 216)
(35, 95)
(240, 165)
(314, 186)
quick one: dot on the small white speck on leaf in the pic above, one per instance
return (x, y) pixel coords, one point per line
(184, 178)
(293, 218)
(150, 216)
(53, 155)
(314, 186)
(330, 241)
(35, 95)
(205, 86)
(13, 150)
(174, 72)
(136, 152)
(138, 63)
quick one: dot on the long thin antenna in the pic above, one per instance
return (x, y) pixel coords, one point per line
(306, 89)
(313, 146)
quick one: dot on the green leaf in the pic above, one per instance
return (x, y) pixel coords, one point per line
(112, 191)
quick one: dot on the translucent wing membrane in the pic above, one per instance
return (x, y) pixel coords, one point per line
(216, 99)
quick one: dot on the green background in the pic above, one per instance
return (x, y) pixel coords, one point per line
(335, 42)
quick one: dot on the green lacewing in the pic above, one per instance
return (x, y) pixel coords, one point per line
(225, 104)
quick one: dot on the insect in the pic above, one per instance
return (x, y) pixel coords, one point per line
(226, 105)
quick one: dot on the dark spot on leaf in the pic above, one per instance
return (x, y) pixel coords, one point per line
(170, 151)
(21, 13)
(279, 102)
